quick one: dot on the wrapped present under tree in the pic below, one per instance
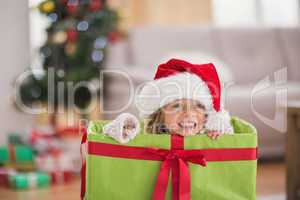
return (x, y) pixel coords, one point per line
(28, 180)
(20, 157)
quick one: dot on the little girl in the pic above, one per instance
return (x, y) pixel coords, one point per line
(182, 99)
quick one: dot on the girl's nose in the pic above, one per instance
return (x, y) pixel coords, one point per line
(188, 112)
(188, 108)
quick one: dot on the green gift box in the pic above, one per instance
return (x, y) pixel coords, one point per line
(4, 155)
(157, 166)
(27, 180)
(20, 157)
(14, 139)
(23, 154)
(19, 154)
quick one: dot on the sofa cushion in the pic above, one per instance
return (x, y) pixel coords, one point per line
(149, 44)
(252, 53)
(290, 45)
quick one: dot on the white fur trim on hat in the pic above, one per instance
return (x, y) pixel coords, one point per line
(219, 121)
(158, 93)
(115, 128)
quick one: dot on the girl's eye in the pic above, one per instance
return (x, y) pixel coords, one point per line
(176, 106)
(200, 106)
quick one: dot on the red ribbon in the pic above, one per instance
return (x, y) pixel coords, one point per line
(70, 131)
(177, 161)
(83, 167)
(174, 161)
(36, 135)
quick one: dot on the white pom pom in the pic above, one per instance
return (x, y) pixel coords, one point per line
(220, 122)
(115, 128)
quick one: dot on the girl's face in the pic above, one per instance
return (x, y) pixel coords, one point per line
(184, 117)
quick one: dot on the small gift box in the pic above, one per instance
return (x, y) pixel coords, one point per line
(61, 177)
(162, 166)
(23, 154)
(58, 165)
(4, 174)
(58, 161)
(28, 180)
(20, 157)
(70, 137)
(4, 155)
(44, 141)
(15, 139)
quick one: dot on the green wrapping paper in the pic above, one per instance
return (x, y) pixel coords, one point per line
(4, 155)
(20, 157)
(20, 181)
(121, 178)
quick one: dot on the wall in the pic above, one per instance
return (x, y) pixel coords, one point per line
(14, 54)
(166, 12)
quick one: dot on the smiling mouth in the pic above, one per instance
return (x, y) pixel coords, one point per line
(187, 125)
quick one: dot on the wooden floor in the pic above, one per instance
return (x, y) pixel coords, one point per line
(270, 181)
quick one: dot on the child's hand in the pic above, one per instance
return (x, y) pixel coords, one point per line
(123, 129)
(128, 128)
(214, 135)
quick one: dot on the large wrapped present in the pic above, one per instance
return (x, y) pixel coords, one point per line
(162, 166)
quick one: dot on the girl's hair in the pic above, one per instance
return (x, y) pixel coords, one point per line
(155, 123)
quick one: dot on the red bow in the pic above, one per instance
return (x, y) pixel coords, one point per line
(175, 161)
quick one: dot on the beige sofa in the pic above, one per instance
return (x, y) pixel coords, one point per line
(251, 54)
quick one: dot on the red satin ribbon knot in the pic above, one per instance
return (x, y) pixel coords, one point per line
(175, 161)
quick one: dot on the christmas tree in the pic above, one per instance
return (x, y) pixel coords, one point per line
(77, 38)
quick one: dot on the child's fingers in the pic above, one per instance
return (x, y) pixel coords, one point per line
(210, 135)
(214, 135)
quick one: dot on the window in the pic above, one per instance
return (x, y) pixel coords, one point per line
(256, 12)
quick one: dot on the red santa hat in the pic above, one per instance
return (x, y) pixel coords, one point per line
(178, 79)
